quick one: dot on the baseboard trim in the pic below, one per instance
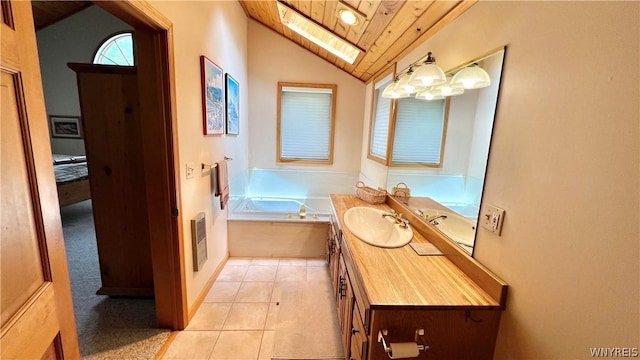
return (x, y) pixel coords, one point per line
(205, 290)
(166, 345)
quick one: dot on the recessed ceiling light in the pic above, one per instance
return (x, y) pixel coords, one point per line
(349, 15)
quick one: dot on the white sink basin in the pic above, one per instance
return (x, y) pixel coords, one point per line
(455, 226)
(370, 226)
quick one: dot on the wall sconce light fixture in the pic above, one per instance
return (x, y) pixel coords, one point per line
(429, 82)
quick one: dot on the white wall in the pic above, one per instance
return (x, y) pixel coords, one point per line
(218, 30)
(564, 165)
(273, 58)
(62, 43)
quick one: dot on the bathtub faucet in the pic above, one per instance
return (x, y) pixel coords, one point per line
(303, 211)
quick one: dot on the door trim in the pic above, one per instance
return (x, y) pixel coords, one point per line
(156, 82)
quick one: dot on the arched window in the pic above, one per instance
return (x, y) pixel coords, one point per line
(116, 50)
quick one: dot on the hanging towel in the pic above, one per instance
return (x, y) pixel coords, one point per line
(223, 183)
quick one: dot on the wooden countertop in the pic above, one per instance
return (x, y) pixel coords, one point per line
(400, 277)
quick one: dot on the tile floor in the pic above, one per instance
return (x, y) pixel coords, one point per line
(237, 319)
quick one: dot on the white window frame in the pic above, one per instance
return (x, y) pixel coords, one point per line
(289, 129)
(107, 44)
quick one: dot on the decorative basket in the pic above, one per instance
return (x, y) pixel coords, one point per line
(369, 194)
(401, 192)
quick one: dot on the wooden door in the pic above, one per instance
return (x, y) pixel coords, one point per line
(36, 318)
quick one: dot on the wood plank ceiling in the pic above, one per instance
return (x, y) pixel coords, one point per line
(46, 13)
(391, 30)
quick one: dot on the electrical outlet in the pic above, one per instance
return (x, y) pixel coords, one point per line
(191, 170)
(491, 218)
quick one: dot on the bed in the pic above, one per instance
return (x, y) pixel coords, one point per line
(72, 178)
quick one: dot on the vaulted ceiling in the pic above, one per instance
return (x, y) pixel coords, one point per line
(392, 28)
(48, 12)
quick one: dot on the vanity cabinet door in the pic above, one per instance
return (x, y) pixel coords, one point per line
(334, 252)
(345, 306)
(358, 337)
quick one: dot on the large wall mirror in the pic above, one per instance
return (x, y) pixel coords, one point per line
(449, 197)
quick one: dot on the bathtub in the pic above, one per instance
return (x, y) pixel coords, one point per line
(286, 209)
(273, 227)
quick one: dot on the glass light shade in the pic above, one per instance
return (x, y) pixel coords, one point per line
(471, 77)
(448, 89)
(429, 94)
(403, 84)
(393, 91)
(427, 74)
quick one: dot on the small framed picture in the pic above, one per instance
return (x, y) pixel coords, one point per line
(65, 127)
(212, 97)
(233, 105)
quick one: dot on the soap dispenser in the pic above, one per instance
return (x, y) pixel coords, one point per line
(303, 212)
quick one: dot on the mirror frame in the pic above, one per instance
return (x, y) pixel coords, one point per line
(413, 210)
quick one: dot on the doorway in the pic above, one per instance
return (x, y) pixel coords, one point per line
(152, 34)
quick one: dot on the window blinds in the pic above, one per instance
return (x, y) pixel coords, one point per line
(380, 126)
(380, 123)
(305, 124)
(418, 132)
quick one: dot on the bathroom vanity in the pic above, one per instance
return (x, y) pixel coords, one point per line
(449, 305)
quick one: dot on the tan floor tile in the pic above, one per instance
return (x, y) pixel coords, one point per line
(255, 292)
(239, 261)
(237, 345)
(232, 273)
(272, 316)
(317, 262)
(223, 291)
(265, 261)
(247, 316)
(292, 262)
(266, 348)
(192, 345)
(261, 273)
(276, 295)
(210, 316)
(317, 273)
(291, 273)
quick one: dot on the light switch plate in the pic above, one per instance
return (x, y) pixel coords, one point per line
(191, 170)
(491, 218)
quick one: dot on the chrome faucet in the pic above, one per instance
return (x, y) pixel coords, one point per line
(397, 218)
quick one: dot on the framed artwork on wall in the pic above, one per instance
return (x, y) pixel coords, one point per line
(65, 127)
(233, 105)
(212, 97)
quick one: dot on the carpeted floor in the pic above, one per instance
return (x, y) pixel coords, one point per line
(108, 328)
